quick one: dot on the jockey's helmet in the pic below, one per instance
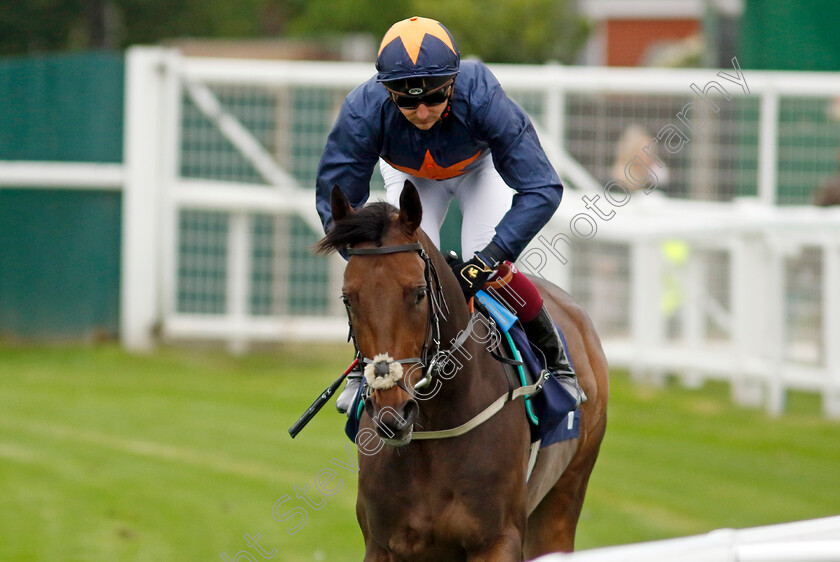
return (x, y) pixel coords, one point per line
(417, 55)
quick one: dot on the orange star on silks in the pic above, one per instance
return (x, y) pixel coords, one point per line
(433, 171)
(412, 31)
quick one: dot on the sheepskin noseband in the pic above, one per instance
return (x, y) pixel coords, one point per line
(383, 372)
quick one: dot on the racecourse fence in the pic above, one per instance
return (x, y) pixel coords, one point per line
(817, 540)
(686, 230)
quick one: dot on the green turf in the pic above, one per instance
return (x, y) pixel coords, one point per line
(178, 455)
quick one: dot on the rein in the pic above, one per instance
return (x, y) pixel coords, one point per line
(485, 414)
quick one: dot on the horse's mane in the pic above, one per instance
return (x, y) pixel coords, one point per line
(367, 224)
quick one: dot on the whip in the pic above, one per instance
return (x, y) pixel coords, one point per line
(320, 401)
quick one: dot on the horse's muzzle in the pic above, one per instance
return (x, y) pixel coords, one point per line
(393, 424)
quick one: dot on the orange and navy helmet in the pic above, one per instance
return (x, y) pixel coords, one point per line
(419, 54)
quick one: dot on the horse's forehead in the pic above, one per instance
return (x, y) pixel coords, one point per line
(403, 269)
(395, 235)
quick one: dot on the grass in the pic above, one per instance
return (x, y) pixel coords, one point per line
(178, 455)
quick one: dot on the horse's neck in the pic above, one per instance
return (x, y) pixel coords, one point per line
(455, 314)
(470, 379)
(474, 378)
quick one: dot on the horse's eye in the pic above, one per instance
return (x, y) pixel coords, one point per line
(345, 300)
(421, 294)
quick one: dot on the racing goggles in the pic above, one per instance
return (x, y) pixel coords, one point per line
(433, 97)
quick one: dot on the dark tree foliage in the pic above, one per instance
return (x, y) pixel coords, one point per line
(40, 25)
(531, 31)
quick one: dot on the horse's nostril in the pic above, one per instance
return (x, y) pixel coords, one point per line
(370, 408)
(411, 410)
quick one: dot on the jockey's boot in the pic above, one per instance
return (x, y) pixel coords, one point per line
(542, 333)
(345, 399)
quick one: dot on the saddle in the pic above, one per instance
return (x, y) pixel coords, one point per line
(551, 412)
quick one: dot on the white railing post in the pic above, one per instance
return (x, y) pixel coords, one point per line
(170, 212)
(831, 326)
(555, 122)
(748, 313)
(238, 280)
(768, 139)
(142, 192)
(555, 111)
(646, 320)
(774, 328)
(692, 279)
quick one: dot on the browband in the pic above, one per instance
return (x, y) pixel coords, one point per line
(416, 247)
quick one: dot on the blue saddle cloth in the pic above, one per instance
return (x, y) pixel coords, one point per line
(557, 419)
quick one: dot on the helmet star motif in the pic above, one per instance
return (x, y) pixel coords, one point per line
(417, 48)
(411, 33)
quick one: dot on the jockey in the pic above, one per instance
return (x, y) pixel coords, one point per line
(451, 129)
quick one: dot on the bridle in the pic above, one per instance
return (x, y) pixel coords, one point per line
(430, 353)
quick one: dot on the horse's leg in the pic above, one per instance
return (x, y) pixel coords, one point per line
(375, 553)
(552, 525)
(506, 549)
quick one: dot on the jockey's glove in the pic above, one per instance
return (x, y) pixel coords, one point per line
(472, 274)
(493, 255)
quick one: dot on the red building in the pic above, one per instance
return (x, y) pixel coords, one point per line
(646, 32)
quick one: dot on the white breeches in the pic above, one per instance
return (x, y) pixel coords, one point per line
(482, 195)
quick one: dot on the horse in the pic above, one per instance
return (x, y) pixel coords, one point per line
(464, 497)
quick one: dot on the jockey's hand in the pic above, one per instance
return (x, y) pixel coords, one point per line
(471, 275)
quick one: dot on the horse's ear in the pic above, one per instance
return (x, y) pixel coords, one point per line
(341, 208)
(411, 211)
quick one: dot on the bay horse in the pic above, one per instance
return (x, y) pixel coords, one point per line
(465, 497)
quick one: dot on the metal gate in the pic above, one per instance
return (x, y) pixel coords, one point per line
(725, 271)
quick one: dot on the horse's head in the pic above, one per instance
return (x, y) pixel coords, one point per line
(387, 294)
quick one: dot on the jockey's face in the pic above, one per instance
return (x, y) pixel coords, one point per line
(424, 116)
